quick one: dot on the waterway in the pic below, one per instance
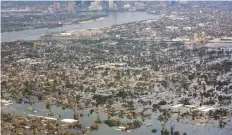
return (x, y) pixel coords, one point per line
(112, 19)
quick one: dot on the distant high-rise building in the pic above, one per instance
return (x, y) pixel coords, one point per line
(105, 4)
(172, 3)
(71, 6)
(96, 5)
(85, 4)
(56, 6)
(162, 3)
(79, 2)
(183, 1)
(111, 4)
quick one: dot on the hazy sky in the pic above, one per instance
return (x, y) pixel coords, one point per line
(116, 0)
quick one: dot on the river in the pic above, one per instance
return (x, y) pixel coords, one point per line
(112, 19)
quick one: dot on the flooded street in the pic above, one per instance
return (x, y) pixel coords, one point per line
(22, 109)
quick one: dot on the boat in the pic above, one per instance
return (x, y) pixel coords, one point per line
(148, 125)
(129, 131)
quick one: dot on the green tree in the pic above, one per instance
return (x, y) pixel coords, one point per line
(176, 133)
(172, 130)
(98, 120)
(34, 132)
(48, 106)
(162, 102)
(137, 123)
(164, 132)
(154, 130)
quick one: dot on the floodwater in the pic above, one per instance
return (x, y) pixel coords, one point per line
(219, 45)
(104, 129)
(111, 19)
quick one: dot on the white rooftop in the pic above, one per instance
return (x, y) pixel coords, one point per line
(178, 105)
(190, 106)
(69, 120)
(5, 101)
(201, 108)
(48, 118)
(207, 109)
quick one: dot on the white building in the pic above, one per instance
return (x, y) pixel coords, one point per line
(111, 4)
(127, 6)
(95, 5)
(56, 6)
